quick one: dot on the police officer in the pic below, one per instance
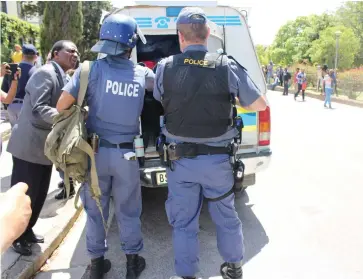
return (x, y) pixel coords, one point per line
(196, 89)
(115, 96)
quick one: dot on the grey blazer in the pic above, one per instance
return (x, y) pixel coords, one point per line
(28, 136)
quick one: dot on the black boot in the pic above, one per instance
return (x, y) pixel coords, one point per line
(134, 266)
(231, 271)
(62, 194)
(99, 267)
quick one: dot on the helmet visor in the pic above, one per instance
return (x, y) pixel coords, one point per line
(141, 36)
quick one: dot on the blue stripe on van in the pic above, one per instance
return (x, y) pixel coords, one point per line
(143, 18)
(226, 20)
(249, 119)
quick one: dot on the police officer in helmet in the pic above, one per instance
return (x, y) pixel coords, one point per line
(197, 90)
(115, 96)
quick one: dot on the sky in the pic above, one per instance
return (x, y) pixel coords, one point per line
(267, 16)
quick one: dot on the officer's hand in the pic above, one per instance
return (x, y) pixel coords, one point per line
(14, 214)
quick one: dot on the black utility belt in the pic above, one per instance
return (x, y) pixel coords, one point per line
(123, 145)
(17, 101)
(192, 150)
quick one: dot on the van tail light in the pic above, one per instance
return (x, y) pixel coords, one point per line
(264, 127)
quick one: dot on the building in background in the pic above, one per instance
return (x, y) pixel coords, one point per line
(13, 8)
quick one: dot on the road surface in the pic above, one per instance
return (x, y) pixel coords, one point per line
(302, 220)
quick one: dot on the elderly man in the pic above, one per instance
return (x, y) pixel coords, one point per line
(27, 140)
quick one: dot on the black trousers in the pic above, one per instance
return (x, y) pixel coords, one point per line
(286, 88)
(299, 88)
(38, 179)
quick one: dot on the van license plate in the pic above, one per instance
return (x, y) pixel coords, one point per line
(161, 178)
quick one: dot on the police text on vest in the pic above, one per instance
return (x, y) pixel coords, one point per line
(123, 88)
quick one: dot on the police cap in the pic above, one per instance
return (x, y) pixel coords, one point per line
(190, 15)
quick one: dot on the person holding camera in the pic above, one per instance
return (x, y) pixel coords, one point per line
(8, 97)
(26, 65)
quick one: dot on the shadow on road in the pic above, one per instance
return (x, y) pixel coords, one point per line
(157, 234)
(51, 205)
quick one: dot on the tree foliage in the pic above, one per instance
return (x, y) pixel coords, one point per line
(294, 39)
(262, 53)
(92, 11)
(351, 15)
(32, 8)
(323, 50)
(311, 39)
(62, 20)
(15, 31)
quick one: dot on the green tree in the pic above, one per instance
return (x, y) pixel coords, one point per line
(262, 53)
(351, 15)
(32, 8)
(62, 21)
(294, 39)
(323, 50)
(92, 11)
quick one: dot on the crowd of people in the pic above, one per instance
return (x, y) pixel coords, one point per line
(326, 81)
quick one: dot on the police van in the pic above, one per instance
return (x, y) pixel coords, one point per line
(229, 31)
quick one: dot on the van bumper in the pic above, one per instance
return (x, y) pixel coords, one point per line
(253, 163)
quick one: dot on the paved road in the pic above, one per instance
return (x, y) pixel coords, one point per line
(302, 220)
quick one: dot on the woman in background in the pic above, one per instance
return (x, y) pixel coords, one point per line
(327, 87)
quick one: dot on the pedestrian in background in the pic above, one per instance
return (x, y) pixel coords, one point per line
(287, 78)
(27, 140)
(295, 79)
(327, 87)
(319, 78)
(300, 79)
(17, 55)
(281, 76)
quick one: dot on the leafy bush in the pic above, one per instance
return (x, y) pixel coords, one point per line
(350, 83)
(15, 31)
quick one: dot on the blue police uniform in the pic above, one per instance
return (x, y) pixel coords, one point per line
(210, 176)
(115, 96)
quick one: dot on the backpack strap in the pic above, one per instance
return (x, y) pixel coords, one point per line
(85, 69)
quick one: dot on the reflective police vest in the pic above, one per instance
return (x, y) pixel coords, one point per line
(196, 100)
(122, 89)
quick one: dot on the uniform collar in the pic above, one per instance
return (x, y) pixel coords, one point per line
(118, 60)
(195, 48)
(26, 62)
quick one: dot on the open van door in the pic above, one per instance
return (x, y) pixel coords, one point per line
(216, 38)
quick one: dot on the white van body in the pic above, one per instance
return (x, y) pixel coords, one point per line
(229, 29)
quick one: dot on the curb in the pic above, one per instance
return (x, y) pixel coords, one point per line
(26, 267)
(321, 97)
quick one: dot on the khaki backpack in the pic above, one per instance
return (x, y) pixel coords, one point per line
(67, 147)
